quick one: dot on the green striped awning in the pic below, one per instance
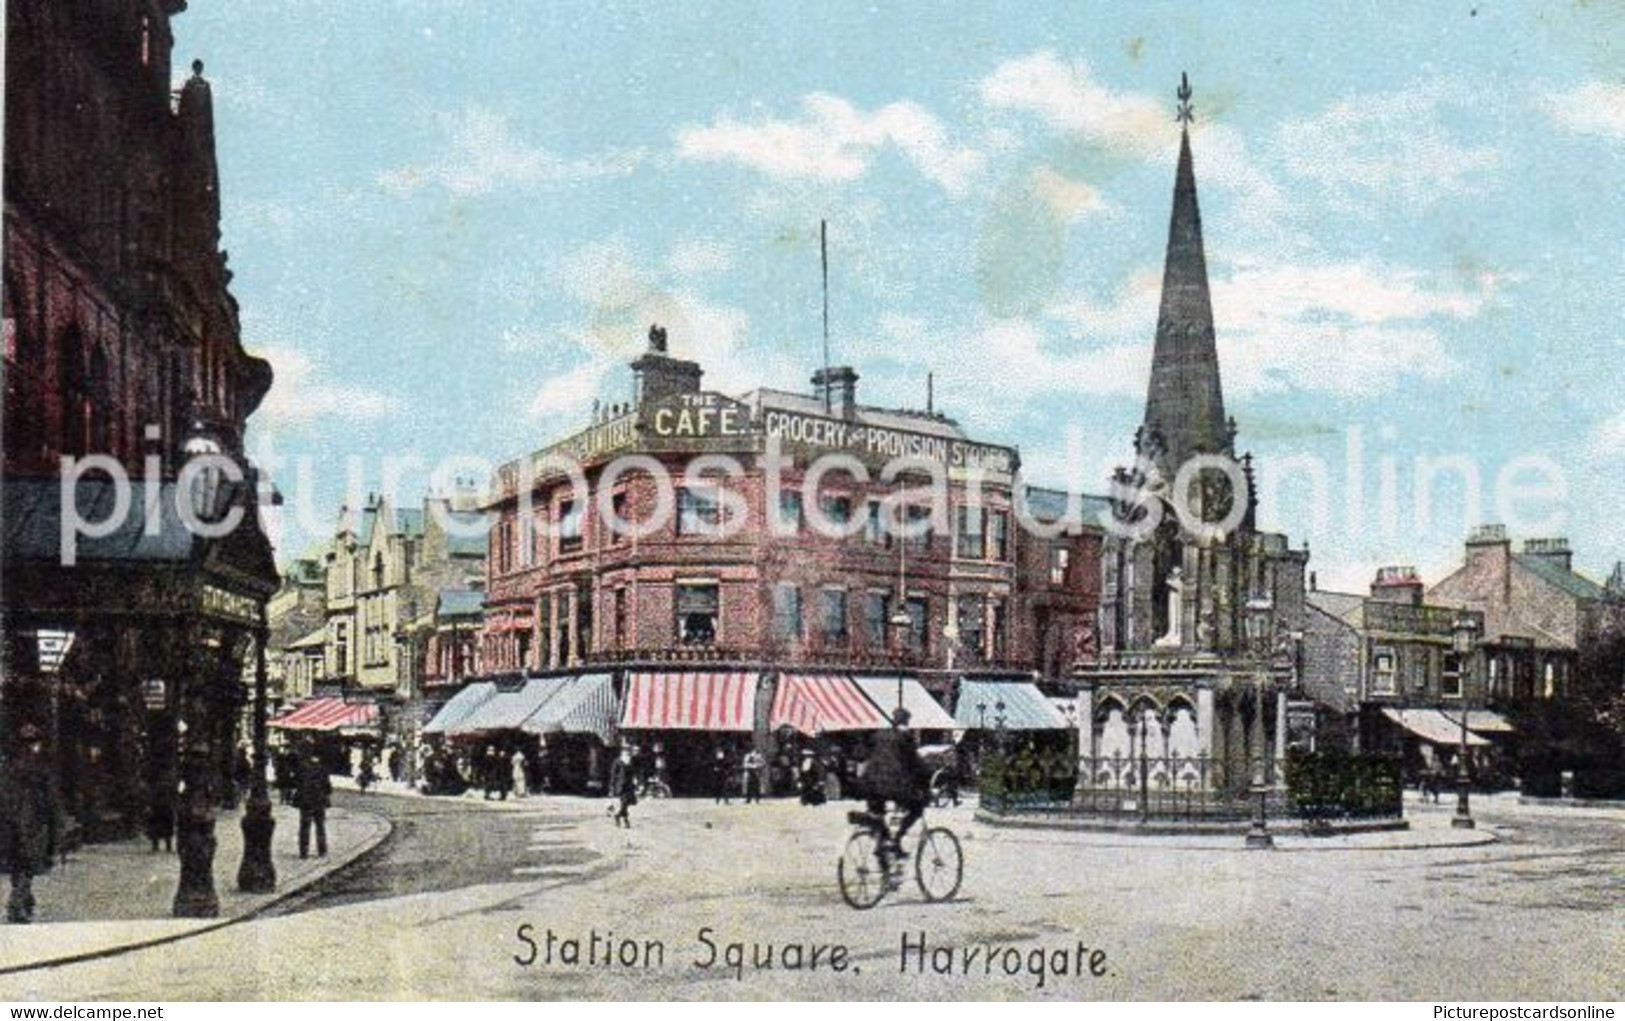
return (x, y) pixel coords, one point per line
(1024, 707)
(460, 706)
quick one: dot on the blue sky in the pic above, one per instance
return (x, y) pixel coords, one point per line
(451, 223)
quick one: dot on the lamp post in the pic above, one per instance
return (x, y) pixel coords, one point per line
(1466, 639)
(1259, 613)
(257, 874)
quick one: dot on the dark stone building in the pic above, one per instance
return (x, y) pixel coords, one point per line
(126, 651)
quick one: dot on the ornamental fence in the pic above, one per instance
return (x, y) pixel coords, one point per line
(1314, 787)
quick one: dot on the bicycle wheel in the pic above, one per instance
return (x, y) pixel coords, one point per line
(939, 866)
(659, 789)
(863, 882)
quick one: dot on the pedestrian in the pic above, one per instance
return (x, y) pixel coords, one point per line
(623, 784)
(754, 765)
(287, 774)
(161, 813)
(521, 781)
(722, 776)
(810, 780)
(494, 774)
(314, 796)
(393, 762)
(27, 823)
(369, 772)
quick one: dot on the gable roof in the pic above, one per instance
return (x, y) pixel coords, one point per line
(1345, 606)
(1555, 575)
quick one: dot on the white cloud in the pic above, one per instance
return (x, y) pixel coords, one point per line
(699, 258)
(1607, 440)
(1390, 143)
(1068, 199)
(613, 299)
(1594, 108)
(300, 393)
(1066, 96)
(484, 155)
(834, 141)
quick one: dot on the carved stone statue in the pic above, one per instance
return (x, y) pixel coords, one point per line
(1176, 611)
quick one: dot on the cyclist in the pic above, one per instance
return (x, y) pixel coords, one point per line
(895, 772)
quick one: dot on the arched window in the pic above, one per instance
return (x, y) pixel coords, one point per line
(73, 393)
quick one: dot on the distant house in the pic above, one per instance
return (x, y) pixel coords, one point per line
(1383, 668)
(1538, 611)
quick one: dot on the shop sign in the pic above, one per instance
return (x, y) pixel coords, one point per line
(880, 442)
(698, 416)
(219, 602)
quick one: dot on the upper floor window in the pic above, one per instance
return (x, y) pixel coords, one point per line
(874, 525)
(699, 510)
(971, 622)
(1060, 562)
(790, 512)
(999, 534)
(971, 535)
(832, 614)
(876, 618)
(1383, 672)
(917, 522)
(621, 523)
(919, 623)
(786, 613)
(1450, 677)
(838, 509)
(569, 527)
(698, 613)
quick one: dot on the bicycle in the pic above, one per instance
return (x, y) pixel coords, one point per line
(939, 864)
(653, 787)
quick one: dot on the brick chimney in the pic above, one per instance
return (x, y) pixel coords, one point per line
(657, 375)
(1397, 585)
(1553, 551)
(1489, 559)
(838, 388)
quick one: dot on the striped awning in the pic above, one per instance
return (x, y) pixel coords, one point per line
(1433, 726)
(328, 714)
(813, 703)
(508, 710)
(684, 701)
(578, 705)
(924, 712)
(460, 706)
(1024, 707)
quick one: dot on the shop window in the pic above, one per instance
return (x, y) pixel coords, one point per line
(877, 619)
(569, 527)
(1060, 562)
(1450, 678)
(1383, 672)
(699, 510)
(1551, 680)
(786, 613)
(790, 512)
(970, 536)
(697, 613)
(832, 614)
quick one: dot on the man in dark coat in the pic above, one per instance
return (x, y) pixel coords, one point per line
(27, 822)
(313, 797)
(895, 772)
(623, 784)
(722, 769)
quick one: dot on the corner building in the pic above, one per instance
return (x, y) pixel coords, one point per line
(776, 627)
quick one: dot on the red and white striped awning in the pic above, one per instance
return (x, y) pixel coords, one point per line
(823, 702)
(683, 701)
(328, 714)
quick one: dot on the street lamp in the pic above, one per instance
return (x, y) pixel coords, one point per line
(1465, 640)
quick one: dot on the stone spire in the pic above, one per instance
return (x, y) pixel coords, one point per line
(1184, 408)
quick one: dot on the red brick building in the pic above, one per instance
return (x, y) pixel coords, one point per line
(681, 591)
(121, 340)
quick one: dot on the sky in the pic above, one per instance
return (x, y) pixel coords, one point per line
(451, 224)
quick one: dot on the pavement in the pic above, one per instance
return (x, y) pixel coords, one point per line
(459, 901)
(111, 898)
